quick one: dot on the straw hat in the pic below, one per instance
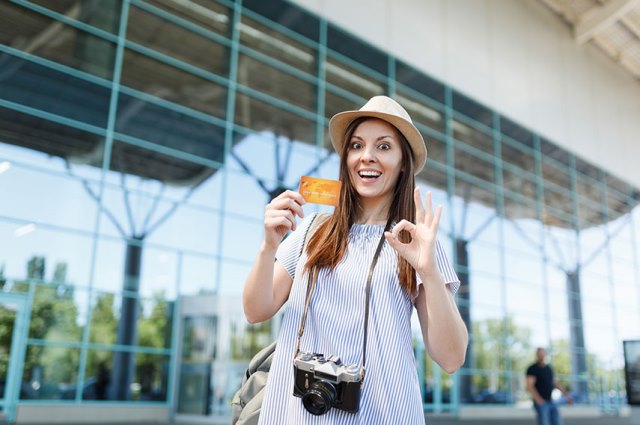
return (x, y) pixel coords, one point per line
(386, 109)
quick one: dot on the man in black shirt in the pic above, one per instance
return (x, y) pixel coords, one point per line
(540, 383)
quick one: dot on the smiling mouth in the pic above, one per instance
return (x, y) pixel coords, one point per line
(369, 174)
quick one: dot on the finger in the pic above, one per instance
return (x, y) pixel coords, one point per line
(279, 224)
(287, 214)
(436, 219)
(429, 208)
(295, 196)
(403, 225)
(295, 208)
(287, 203)
(288, 195)
(419, 206)
(395, 243)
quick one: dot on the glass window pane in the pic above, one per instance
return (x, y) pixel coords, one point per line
(277, 45)
(260, 116)
(39, 35)
(97, 377)
(472, 165)
(103, 323)
(208, 14)
(50, 373)
(55, 92)
(52, 250)
(287, 15)
(474, 203)
(422, 114)
(520, 137)
(173, 40)
(434, 177)
(168, 83)
(198, 274)
(56, 312)
(472, 109)
(416, 80)
(353, 80)
(154, 322)
(525, 298)
(276, 83)
(176, 131)
(356, 49)
(102, 14)
(68, 203)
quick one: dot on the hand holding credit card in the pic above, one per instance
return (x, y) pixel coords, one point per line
(320, 191)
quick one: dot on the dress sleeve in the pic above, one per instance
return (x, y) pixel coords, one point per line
(288, 252)
(446, 269)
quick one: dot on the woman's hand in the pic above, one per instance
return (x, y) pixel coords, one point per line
(280, 217)
(421, 251)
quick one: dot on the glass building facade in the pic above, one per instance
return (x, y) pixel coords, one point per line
(139, 143)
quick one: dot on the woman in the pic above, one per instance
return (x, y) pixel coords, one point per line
(380, 153)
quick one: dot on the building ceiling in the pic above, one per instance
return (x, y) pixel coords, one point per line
(612, 25)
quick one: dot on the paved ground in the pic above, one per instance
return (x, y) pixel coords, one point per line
(632, 418)
(444, 420)
(597, 421)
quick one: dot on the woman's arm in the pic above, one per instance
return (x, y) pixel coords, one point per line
(268, 283)
(443, 330)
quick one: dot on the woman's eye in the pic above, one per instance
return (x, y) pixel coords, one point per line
(384, 147)
(355, 145)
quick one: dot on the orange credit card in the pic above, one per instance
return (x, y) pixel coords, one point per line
(320, 191)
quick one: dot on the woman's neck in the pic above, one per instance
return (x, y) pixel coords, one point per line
(373, 213)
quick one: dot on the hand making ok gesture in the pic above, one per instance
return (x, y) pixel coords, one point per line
(421, 251)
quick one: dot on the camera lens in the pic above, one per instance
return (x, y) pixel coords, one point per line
(319, 398)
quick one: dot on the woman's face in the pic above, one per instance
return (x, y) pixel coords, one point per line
(374, 160)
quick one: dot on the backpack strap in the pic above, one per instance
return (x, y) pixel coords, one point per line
(315, 223)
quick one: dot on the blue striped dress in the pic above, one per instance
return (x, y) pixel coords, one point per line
(390, 392)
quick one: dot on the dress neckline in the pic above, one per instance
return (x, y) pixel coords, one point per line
(367, 229)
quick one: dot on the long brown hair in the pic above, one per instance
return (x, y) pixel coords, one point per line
(327, 245)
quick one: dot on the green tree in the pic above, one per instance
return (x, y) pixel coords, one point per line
(154, 330)
(102, 330)
(53, 318)
(497, 344)
(7, 318)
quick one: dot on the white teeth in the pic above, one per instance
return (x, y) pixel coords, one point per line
(368, 173)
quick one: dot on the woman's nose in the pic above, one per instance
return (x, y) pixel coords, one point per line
(368, 154)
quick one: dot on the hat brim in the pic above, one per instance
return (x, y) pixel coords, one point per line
(340, 121)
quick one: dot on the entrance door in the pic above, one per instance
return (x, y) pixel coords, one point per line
(215, 346)
(12, 337)
(197, 351)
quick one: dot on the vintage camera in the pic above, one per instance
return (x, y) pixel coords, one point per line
(323, 383)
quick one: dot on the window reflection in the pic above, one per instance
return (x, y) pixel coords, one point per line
(208, 14)
(50, 372)
(77, 99)
(258, 115)
(276, 83)
(171, 84)
(37, 34)
(103, 14)
(277, 45)
(168, 38)
(352, 80)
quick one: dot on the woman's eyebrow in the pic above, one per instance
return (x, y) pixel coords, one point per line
(387, 136)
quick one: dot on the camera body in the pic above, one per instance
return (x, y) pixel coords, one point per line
(323, 383)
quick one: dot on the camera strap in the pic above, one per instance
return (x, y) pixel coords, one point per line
(311, 283)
